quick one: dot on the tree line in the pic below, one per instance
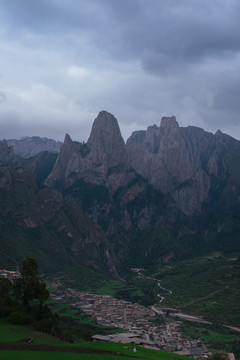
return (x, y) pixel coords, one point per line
(23, 301)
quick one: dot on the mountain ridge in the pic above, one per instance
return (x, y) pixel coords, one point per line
(30, 146)
(168, 193)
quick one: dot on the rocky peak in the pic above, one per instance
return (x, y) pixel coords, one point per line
(104, 153)
(171, 159)
(105, 128)
(67, 140)
(105, 140)
(105, 134)
(169, 122)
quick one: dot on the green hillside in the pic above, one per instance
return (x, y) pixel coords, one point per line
(206, 286)
(12, 346)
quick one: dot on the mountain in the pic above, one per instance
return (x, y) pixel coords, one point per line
(169, 193)
(113, 195)
(42, 223)
(100, 161)
(7, 154)
(189, 163)
(39, 165)
(167, 201)
(31, 146)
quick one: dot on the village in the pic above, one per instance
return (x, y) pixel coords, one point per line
(138, 325)
(143, 326)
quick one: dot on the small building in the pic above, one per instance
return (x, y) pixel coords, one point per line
(10, 275)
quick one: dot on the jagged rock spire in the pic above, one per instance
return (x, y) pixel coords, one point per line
(67, 139)
(106, 140)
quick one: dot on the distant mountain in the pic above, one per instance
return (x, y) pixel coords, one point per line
(31, 146)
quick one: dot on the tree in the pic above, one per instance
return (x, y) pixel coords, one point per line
(6, 301)
(28, 287)
(29, 269)
(42, 293)
(5, 287)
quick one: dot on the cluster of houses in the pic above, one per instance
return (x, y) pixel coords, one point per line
(142, 325)
(10, 275)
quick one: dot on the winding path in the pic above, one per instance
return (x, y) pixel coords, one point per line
(140, 275)
(180, 314)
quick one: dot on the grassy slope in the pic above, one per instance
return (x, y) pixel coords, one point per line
(14, 333)
(214, 336)
(207, 286)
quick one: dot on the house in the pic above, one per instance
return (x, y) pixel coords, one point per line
(10, 275)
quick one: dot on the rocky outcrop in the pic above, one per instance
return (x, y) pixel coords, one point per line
(106, 142)
(31, 146)
(107, 204)
(185, 162)
(100, 161)
(7, 154)
(39, 166)
(112, 194)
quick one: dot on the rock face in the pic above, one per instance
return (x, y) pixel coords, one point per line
(100, 161)
(7, 155)
(116, 205)
(97, 174)
(31, 146)
(185, 162)
(39, 166)
(106, 142)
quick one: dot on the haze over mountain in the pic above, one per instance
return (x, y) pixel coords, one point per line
(31, 146)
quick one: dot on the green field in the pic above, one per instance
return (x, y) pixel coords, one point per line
(15, 333)
(207, 286)
(11, 336)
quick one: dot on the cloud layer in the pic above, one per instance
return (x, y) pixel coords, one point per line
(62, 62)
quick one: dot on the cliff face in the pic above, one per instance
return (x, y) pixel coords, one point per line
(31, 146)
(112, 194)
(7, 154)
(185, 162)
(115, 205)
(100, 161)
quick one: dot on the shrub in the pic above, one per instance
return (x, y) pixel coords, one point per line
(19, 318)
(16, 318)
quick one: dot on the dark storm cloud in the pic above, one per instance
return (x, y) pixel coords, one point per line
(227, 96)
(138, 59)
(158, 33)
(27, 13)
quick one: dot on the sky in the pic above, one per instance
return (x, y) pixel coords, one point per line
(61, 62)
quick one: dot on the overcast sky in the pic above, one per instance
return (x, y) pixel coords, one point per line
(61, 62)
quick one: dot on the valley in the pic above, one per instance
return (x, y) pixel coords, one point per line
(139, 325)
(190, 325)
